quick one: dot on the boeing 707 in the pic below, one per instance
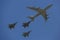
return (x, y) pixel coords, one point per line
(40, 12)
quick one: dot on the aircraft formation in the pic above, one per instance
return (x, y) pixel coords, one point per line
(26, 34)
(32, 18)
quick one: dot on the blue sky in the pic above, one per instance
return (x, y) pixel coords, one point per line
(16, 11)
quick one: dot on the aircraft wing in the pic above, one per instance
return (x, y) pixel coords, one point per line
(33, 8)
(50, 5)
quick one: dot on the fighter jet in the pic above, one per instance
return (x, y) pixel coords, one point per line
(33, 17)
(40, 12)
(26, 34)
(11, 26)
(26, 24)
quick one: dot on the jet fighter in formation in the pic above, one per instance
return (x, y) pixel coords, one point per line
(40, 12)
(11, 26)
(26, 34)
(26, 24)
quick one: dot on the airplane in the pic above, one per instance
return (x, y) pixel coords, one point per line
(31, 17)
(40, 12)
(26, 24)
(11, 26)
(26, 34)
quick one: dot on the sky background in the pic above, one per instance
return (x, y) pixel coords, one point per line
(15, 11)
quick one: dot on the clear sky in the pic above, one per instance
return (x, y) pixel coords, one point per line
(15, 11)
